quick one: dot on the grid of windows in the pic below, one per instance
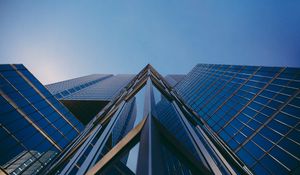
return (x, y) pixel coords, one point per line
(164, 139)
(65, 88)
(255, 110)
(31, 119)
(93, 87)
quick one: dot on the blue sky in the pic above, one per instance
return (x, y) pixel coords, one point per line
(57, 40)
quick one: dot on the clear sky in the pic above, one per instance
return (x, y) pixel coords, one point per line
(57, 40)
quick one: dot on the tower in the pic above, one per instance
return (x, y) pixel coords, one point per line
(254, 110)
(35, 127)
(217, 119)
(164, 136)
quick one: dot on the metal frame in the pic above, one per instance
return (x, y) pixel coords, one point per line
(100, 165)
(149, 133)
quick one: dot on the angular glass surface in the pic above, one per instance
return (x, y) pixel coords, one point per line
(170, 120)
(249, 100)
(175, 162)
(133, 158)
(125, 122)
(119, 167)
(32, 131)
(140, 105)
(140, 114)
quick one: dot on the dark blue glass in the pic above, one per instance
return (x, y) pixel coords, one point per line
(265, 109)
(245, 156)
(284, 157)
(279, 127)
(262, 142)
(292, 121)
(273, 165)
(255, 151)
(294, 135)
(292, 110)
(259, 169)
(290, 146)
(270, 134)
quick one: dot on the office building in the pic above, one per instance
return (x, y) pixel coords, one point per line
(159, 136)
(217, 119)
(86, 96)
(35, 127)
(254, 110)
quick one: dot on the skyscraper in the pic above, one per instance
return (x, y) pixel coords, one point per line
(35, 127)
(254, 110)
(146, 129)
(86, 96)
(217, 119)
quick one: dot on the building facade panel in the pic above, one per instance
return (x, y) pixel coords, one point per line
(96, 87)
(254, 110)
(217, 119)
(144, 130)
(173, 79)
(32, 120)
(67, 87)
(104, 90)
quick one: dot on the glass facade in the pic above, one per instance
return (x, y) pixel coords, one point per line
(173, 79)
(218, 119)
(100, 87)
(107, 136)
(166, 114)
(145, 129)
(254, 110)
(34, 125)
(62, 89)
